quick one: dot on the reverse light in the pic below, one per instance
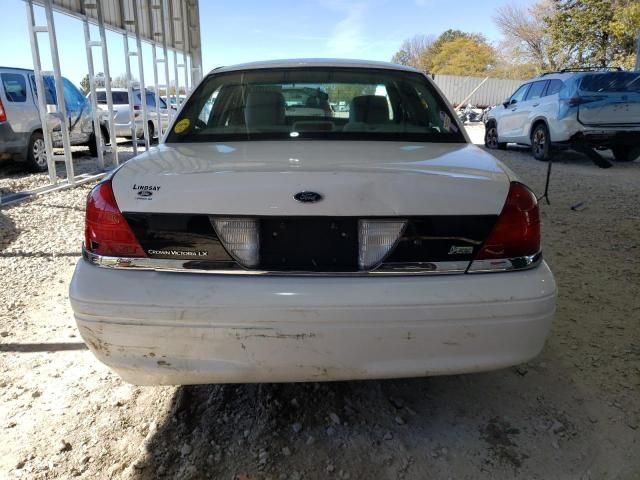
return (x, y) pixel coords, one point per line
(376, 238)
(516, 234)
(240, 237)
(106, 230)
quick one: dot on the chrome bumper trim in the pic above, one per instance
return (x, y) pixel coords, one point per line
(505, 265)
(231, 268)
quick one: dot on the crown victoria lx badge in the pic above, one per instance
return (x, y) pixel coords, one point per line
(308, 197)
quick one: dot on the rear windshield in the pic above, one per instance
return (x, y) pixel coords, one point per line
(316, 102)
(611, 82)
(119, 98)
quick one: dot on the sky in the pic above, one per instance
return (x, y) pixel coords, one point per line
(247, 30)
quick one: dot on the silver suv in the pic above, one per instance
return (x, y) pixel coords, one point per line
(20, 127)
(587, 110)
(122, 112)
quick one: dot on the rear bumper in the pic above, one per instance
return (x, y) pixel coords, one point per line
(606, 138)
(124, 130)
(175, 328)
(12, 144)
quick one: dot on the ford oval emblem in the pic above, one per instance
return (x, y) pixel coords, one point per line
(308, 197)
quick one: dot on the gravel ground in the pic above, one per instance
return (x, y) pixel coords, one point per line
(13, 177)
(571, 413)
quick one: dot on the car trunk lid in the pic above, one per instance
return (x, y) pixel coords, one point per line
(260, 178)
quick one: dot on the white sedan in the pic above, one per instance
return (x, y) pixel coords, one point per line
(254, 245)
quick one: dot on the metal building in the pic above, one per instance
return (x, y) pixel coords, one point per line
(171, 27)
(479, 91)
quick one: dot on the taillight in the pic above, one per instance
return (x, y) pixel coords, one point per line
(515, 236)
(106, 230)
(3, 113)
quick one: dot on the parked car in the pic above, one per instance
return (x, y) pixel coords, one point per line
(21, 136)
(255, 246)
(584, 110)
(173, 103)
(122, 113)
(306, 102)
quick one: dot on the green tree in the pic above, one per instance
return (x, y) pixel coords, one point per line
(345, 92)
(84, 84)
(464, 56)
(593, 32)
(420, 50)
(625, 28)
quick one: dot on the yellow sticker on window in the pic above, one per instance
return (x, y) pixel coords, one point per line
(181, 126)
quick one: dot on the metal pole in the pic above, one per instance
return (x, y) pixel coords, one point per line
(107, 84)
(143, 90)
(154, 59)
(42, 99)
(132, 113)
(62, 107)
(177, 79)
(195, 47)
(185, 45)
(172, 23)
(165, 53)
(95, 113)
(638, 55)
(471, 94)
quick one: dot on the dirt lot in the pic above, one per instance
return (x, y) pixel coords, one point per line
(571, 413)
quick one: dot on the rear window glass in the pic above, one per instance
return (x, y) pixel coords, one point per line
(611, 82)
(15, 87)
(320, 102)
(119, 98)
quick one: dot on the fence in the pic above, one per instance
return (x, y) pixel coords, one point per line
(491, 92)
(171, 27)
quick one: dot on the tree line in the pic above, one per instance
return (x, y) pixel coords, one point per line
(549, 35)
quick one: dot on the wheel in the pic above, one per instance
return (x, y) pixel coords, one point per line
(491, 138)
(625, 153)
(37, 153)
(93, 144)
(541, 142)
(151, 131)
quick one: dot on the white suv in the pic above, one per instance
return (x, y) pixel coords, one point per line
(122, 113)
(585, 110)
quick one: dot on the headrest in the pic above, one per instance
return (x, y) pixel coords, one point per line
(369, 109)
(264, 108)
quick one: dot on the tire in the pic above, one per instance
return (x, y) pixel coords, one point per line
(93, 144)
(36, 153)
(625, 153)
(151, 132)
(491, 137)
(541, 143)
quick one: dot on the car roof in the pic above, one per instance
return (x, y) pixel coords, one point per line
(313, 62)
(564, 75)
(16, 68)
(118, 89)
